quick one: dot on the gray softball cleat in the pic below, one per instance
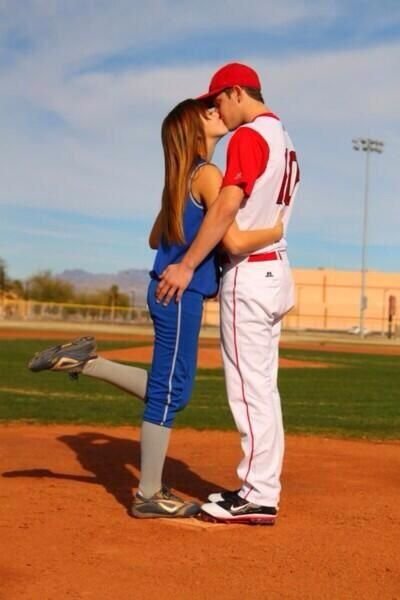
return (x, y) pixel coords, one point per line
(163, 505)
(70, 357)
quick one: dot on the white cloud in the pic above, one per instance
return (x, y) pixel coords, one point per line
(106, 158)
(81, 30)
(28, 231)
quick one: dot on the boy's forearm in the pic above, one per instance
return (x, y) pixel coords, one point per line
(176, 277)
(216, 223)
(238, 242)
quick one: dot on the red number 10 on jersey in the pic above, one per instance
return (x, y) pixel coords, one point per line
(291, 178)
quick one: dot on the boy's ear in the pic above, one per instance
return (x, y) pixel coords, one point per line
(238, 93)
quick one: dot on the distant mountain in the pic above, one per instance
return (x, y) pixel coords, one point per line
(131, 281)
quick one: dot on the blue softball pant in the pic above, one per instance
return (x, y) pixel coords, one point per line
(173, 369)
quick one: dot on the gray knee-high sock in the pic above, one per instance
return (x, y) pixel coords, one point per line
(130, 379)
(153, 447)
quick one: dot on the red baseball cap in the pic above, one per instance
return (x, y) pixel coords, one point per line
(230, 75)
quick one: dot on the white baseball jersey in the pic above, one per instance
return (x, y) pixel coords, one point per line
(276, 188)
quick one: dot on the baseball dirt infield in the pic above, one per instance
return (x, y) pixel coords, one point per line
(65, 492)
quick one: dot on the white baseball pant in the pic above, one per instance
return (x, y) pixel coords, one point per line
(254, 298)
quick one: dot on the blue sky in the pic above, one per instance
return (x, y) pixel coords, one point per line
(84, 87)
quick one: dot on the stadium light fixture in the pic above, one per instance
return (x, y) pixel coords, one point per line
(366, 145)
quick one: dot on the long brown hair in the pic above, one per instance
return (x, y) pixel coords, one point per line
(184, 142)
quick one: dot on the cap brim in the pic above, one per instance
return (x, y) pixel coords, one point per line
(211, 95)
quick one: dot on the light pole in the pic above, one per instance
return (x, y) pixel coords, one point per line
(365, 145)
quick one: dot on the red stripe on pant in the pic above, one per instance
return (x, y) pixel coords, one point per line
(242, 383)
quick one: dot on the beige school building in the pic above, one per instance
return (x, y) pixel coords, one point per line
(328, 299)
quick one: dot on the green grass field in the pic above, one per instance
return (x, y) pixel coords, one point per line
(357, 397)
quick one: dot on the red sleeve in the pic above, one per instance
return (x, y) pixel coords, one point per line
(247, 159)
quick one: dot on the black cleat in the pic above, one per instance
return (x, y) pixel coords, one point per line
(223, 496)
(238, 510)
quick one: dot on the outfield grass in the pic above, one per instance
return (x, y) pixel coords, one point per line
(357, 397)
